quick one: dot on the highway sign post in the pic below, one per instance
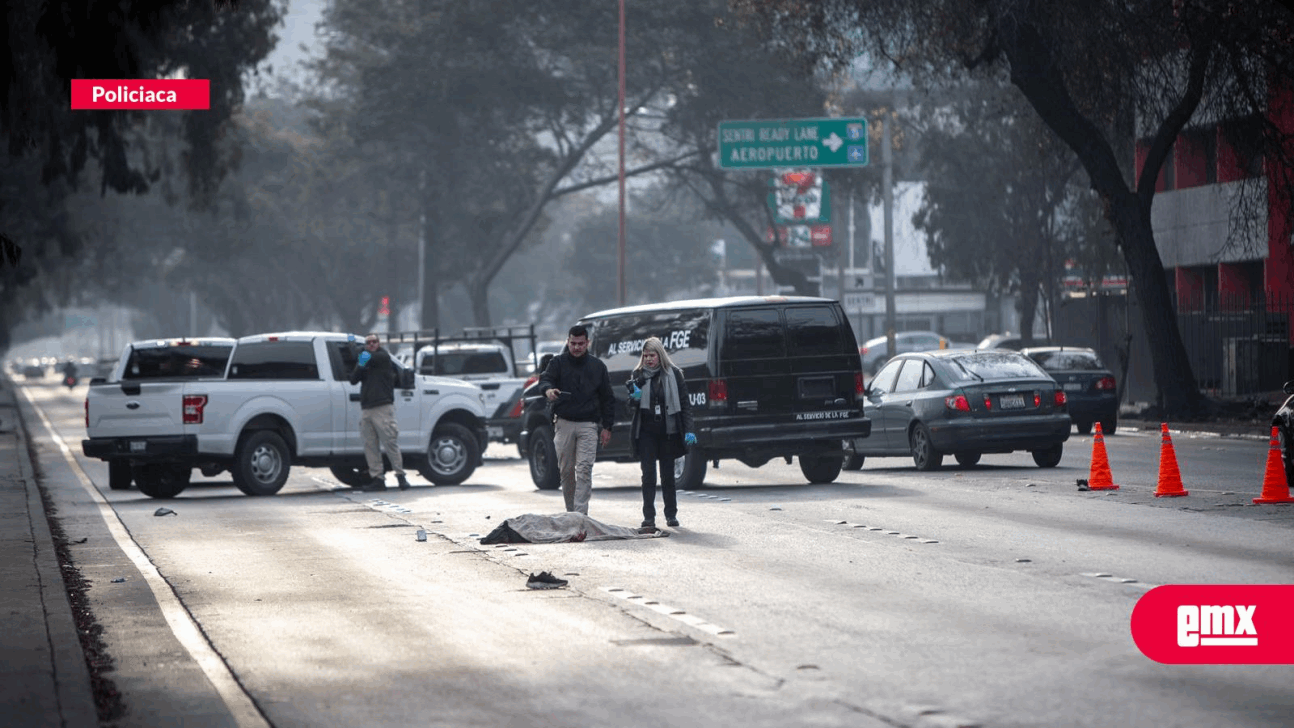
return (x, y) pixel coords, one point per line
(772, 143)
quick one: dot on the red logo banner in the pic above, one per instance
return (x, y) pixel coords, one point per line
(1216, 624)
(134, 93)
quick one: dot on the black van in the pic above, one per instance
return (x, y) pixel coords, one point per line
(768, 377)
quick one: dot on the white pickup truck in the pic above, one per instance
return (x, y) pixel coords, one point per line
(281, 400)
(487, 358)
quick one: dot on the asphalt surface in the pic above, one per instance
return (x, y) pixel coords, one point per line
(45, 679)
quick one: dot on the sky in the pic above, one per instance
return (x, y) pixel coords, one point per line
(298, 29)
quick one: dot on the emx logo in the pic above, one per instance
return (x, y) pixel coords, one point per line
(1235, 624)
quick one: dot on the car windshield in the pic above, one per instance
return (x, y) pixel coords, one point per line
(1068, 361)
(982, 366)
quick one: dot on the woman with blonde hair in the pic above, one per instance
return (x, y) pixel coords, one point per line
(661, 428)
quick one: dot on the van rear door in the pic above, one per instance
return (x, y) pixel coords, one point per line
(789, 363)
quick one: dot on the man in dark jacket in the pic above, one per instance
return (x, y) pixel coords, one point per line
(579, 388)
(376, 374)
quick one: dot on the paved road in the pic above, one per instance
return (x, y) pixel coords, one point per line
(995, 596)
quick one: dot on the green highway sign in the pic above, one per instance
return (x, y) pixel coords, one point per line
(771, 143)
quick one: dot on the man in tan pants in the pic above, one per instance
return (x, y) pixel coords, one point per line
(578, 385)
(376, 374)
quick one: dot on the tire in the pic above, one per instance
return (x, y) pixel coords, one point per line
(543, 459)
(119, 475)
(452, 454)
(924, 454)
(967, 459)
(162, 480)
(1108, 427)
(821, 468)
(261, 463)
(350, 475)
(1085, 428)
(689, 470)
(853, 462)
(1050, 457)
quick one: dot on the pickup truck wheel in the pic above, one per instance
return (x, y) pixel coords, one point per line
(821, 468)
(451, 455)
(349, 475)
(163, 481)
(543, 459)
(689, 470)
(119, 475)
(261, 463)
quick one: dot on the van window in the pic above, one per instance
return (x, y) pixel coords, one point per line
(754, 333)
(618, 341)
(814, 331)
(165, 362)
(274, 360)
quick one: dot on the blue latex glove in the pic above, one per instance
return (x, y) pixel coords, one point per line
(364, 357)
(635, 394)
(689, 439)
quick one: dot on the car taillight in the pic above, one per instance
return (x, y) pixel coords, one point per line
(862, 350)
(521, 400)
(959, 403)
(193, 404)
(1105, 383)
(858, 384)
(1061, 399)
(717, 393)
(1037, 398)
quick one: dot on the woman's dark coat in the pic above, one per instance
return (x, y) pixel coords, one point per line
(682, 423)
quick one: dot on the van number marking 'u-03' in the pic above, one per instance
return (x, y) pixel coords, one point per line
(696, 399)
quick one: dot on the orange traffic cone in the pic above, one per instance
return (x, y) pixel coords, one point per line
(1275, 487)
(1100, 478)
(1170, 479)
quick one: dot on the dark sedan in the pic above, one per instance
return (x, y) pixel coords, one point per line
(963, 403)
(1088, 385)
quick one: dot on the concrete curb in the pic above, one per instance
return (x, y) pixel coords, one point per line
(37, 595)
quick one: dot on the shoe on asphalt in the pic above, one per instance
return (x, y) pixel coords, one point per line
(373, 486)
(673, 522)
(404, 484)
(545, 580)
(649, 524)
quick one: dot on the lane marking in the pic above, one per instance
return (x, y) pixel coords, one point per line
(672, 612)
(242, 708)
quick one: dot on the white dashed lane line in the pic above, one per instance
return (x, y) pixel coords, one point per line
(880, 529)
(674, 613)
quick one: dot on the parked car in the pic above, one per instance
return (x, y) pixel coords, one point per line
(876, 352)
(963, 403)
(768, 377)
(1008, 341)
(1283, 421)
(1089, 385)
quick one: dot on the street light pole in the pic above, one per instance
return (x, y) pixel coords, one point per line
(620, 255)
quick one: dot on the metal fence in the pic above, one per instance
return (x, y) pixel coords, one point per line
(1238, 345)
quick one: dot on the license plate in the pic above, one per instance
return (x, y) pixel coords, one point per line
(1073, 386)
(1011, 401)
(138, 446)
(495, 432)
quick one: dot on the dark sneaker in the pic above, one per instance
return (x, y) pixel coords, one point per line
(373, 486)
(649, 524)
(545, 580)
(671, 522)
(404, 484)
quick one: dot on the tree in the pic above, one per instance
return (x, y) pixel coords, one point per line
(50, 148)
(1086, 68)
(1002, 209)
